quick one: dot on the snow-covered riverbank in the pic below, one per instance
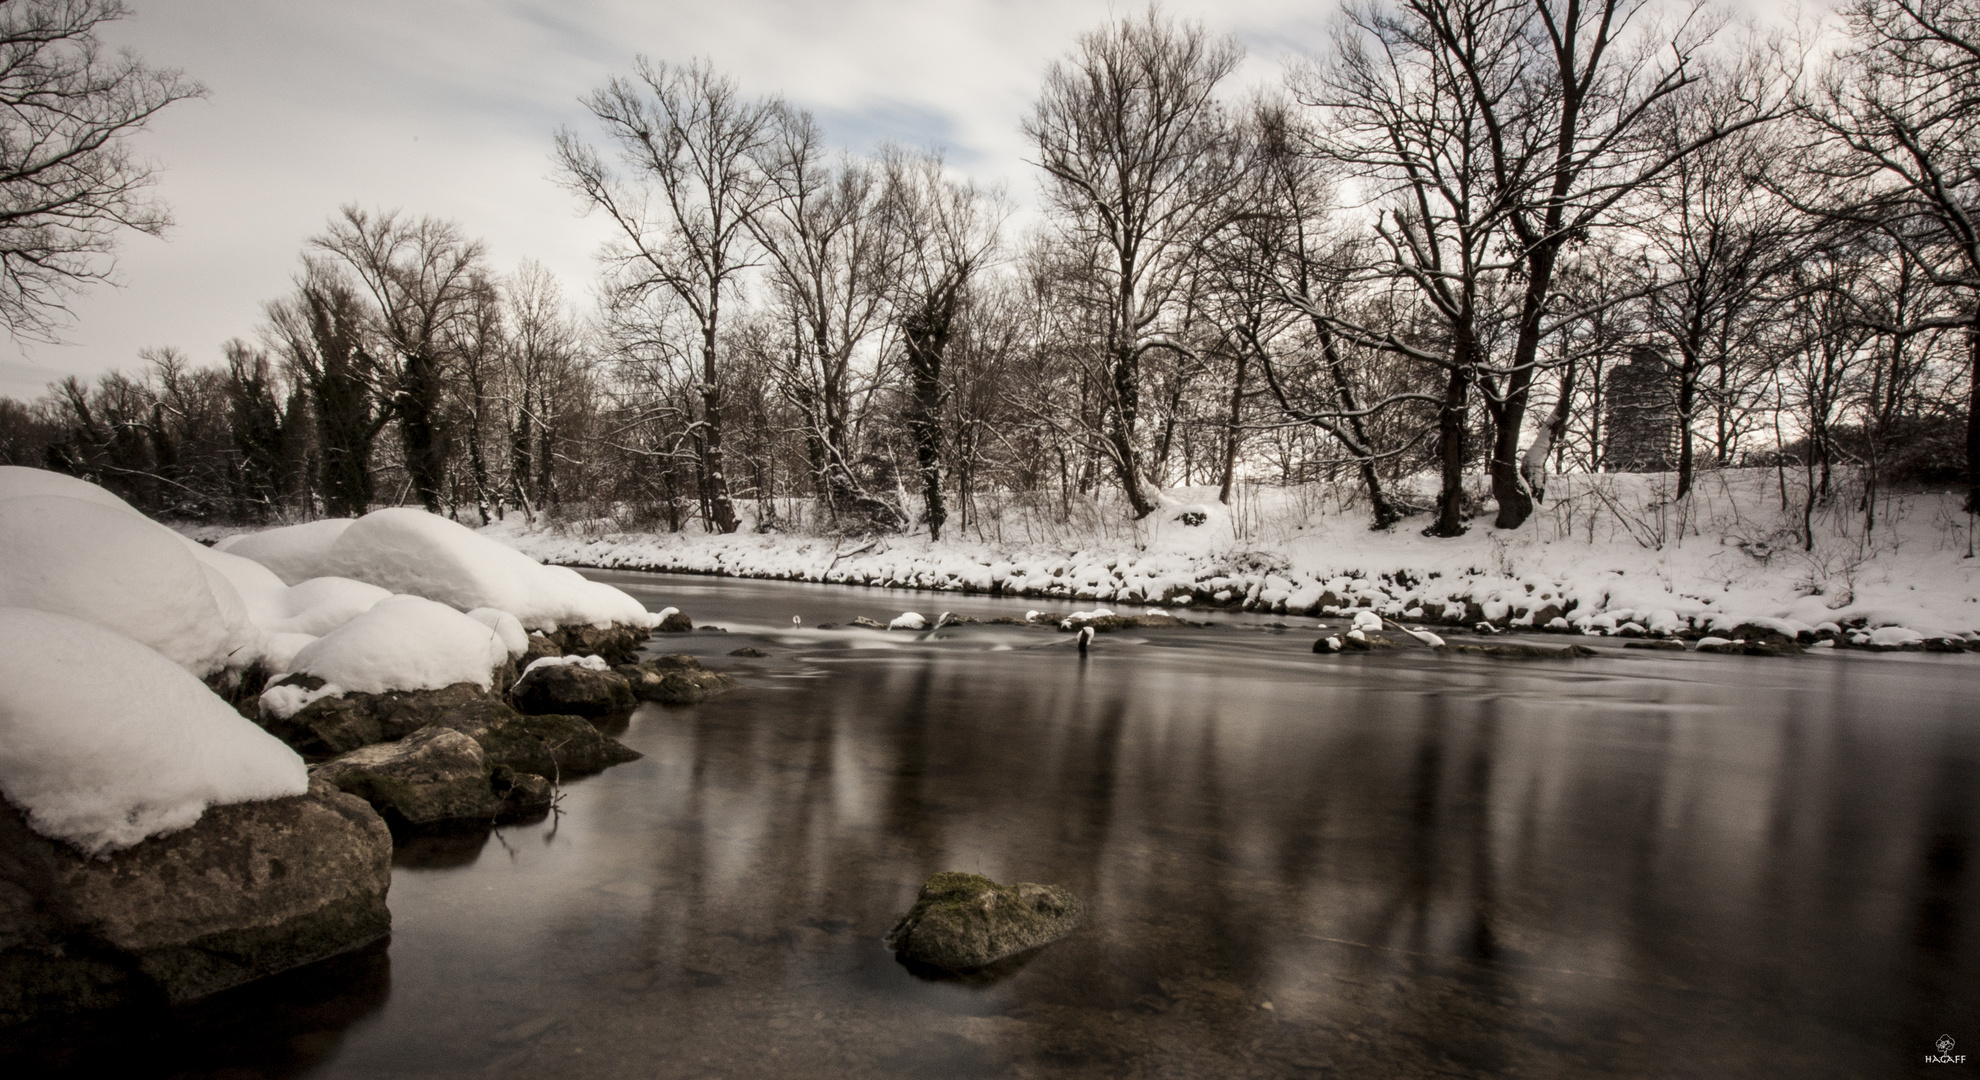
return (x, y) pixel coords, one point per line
(1606, 554)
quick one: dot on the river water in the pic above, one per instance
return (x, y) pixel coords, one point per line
(1388, 865)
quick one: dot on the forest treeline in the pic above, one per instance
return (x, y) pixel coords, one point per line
(1506, 237)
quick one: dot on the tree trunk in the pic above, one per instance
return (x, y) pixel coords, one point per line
(1533, 468)
(1973, 415)
(1231, 423)
(1127, 405)
(927, 337)
(1687, 397)
(1450, 454)
(714, 483)
(419, 396)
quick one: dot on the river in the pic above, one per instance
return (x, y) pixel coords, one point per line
(1387, 865)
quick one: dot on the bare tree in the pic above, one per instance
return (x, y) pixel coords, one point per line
(1130, 134)
(831, 258)
(68, 179)
(1899, 112)
(422, 277)
(691, 140)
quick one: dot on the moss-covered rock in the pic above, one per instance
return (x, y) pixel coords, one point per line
(964, 921)
(675, 679)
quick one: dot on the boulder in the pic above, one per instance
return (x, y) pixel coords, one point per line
(575, 690)
(965, 921)
(552, 746)
(618, 643)
(674, 622)
(674, 680)
(330, 726)
(539, 647)
(870, 624)
(430, 777)
(327, 727)
(747, 651)
(249, 890)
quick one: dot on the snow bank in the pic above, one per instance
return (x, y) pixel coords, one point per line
(1612, 553)
(404, 643)
(121, 571)
(104, 742)
(295, 553)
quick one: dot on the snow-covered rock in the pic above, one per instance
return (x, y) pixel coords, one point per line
(320, 605)
(412, 551)
(405, 643)
(1366, 621)
(17, 481)
(908, 620)
(1890, 637)
(506, 626)
(104, 742)
(124, 573)
(294, 553)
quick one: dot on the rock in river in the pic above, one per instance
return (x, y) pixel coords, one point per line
(430, 777)
(965, 921)
(249, 890)
(573, 690)
(675, 679)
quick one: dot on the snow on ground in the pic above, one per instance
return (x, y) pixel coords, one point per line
(104, 742)
(1605, 553)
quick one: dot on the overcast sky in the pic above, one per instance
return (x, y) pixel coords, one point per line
(446, 107)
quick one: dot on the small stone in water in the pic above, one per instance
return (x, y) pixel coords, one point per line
(960, 921)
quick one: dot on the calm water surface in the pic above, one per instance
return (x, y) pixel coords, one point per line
(1388, 866)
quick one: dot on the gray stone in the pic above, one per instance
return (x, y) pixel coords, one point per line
(574, 690)
(539, 647)
(618, 643)
(555, 746)
(249, 890)
(964, 921)
(674, 680)
(430, 777)
(676, 622)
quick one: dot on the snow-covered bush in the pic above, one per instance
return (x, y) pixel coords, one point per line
(104, 742)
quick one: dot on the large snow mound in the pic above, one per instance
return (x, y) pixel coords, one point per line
(405, 643)
(17, 481)
(412, 551)
(123, 572)
(104, 742)
(295, 553)
(320, 605)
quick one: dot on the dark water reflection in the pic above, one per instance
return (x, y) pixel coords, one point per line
(1398, 865)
